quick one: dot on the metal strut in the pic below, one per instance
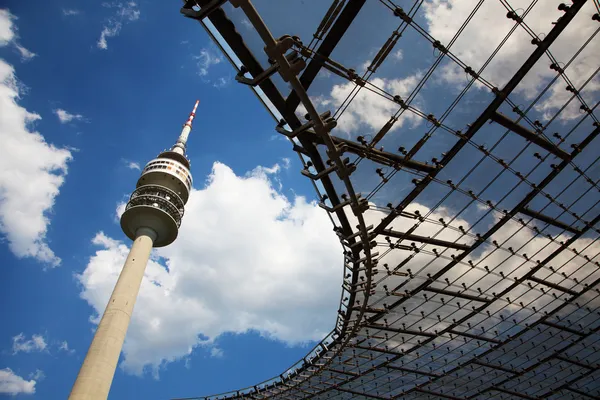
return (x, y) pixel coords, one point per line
(424, 239)
(549, 220)
(529, 135)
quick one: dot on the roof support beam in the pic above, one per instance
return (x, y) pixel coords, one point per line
(378, 349)
(529, 135)
(476, 337)
(456, 294)
(517, 394)
(576, 362)
(379, 156)
(398, 330)
(337, 371)
(413, 371)
(581, 393)
(199, 15)
(553, 286)
(549, 220)
(424, 239)
(567, 385)
(367, 395)
(333, 37)
(439, 395)
(493, 366)
(563, 328)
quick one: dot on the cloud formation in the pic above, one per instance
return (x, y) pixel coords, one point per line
(247, 258)
(13, 384)
(368, 109)
(133, 165)
(64, 346)
(125, 12)
(21, 344)
(67, 12)
(206, 59)
(489, 27)
(65, 117)
(8, 35)
(31, 174)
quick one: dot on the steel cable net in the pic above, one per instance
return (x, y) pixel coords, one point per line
(453, 145)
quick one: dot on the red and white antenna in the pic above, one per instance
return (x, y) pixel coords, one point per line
(192, 114)
(185, 132)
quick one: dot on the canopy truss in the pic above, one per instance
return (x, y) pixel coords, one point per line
(491, 290)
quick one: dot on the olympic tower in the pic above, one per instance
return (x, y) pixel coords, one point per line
(151, 219)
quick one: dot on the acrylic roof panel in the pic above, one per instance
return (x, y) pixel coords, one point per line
(454, 144)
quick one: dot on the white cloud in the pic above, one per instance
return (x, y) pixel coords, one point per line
(216, 352)
(120, 209)
(125, 12)
(368, 108)
(38, 375)
(489, 26)
(66, 117)
(134, 165)
(110, 30)
(13, 384)
(398, 55)
(301, 110)
(8, 35)
(247, 258)
(70, 11)
(31, 173)
(26, 55)
(221, 82)
(64, 346)
(205, 60)
(7, 28)
(246, 23)
(35, 344)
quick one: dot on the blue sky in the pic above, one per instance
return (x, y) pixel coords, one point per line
(125, 104)
(93, 91)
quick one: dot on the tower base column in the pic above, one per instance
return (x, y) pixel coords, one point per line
(98, 369)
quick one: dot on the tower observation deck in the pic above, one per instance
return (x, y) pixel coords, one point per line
(151, 219)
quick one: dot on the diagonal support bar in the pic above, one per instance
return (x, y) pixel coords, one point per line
(549, 220)
(513, 393)
(576, 362)
(439, 395)
(553, 286)
(424, 239)
(413, 371)
(582, 393)
(476, 337)
(398, 330)
(563, 328)
(493, 366)
(379, 156)
(456, 294)
(366, 395)
(529, 135)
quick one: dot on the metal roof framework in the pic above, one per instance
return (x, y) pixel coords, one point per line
(468, 312)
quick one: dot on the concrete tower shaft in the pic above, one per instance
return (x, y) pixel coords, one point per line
(151, 219)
